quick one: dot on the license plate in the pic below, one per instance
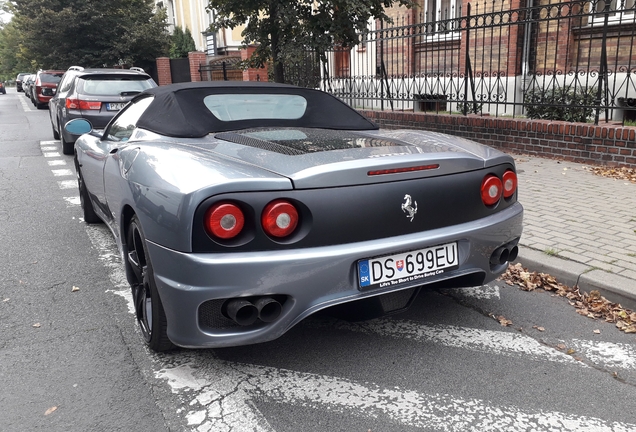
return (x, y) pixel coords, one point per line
(115, 106)
(407, 267)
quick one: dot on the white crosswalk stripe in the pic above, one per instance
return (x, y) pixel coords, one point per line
(487, 341)
(226, 388)
(63, 172)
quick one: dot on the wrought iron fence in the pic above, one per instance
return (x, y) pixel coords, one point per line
(227, 69)
(572, 60)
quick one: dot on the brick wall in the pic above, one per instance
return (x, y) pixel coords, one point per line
(163, 71)
(253, 74)
(607, 145)
(196, 59)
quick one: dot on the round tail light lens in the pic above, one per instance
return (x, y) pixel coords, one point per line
(224, 220)
(279, 218)
(491, 190)
(509, 183)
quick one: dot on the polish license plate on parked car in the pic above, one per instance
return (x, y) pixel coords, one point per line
(115, 106)
(407, 267)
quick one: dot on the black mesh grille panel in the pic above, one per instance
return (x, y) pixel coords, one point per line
(210, 316)
(397, 300)
(257, 143)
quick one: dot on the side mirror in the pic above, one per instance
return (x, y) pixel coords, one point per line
(78, 126)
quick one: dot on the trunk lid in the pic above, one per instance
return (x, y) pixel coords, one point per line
(314, 158)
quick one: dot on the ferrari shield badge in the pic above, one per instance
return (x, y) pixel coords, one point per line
(409, 207)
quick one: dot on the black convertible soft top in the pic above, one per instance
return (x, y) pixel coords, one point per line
(178, 110)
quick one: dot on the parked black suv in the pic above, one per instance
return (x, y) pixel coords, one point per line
(19, 79)
(95, 95)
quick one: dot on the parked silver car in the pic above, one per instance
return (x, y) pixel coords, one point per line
(242, 208)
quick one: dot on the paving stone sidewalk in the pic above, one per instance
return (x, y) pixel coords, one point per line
(579, 226)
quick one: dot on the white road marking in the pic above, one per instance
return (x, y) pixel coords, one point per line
(223, 388)
(49, 142)
(25, 107)
(485, 292)
(608, 354)
(51, 154)
(487, 341)
(74, 200)
(63, 172)
(48, 148)
(102, 240)
(67, 184)
(57, 162)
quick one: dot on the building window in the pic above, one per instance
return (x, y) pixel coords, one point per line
(439, 15)
(342, 57)
(618, 10)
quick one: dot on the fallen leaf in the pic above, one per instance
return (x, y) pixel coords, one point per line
(504, 321)
(37, 325)
(539, 328)
(561, 346)
(50, 410)
(597, 331)
(622, 173)
(592, 305)
(571, 351)
(74, 289)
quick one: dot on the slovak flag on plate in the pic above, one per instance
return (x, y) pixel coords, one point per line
(399, 264)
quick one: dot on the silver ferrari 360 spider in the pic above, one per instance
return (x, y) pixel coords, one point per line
(242, 208)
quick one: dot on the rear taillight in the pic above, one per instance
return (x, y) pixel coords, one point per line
(82, 104)
(491, 190)
(279, 218)
(509, 183)
(224, 220)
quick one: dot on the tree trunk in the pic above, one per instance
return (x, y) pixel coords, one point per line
(279, 69)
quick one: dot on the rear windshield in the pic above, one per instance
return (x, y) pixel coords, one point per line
(51, 77)
(233, 107)
(105, 86)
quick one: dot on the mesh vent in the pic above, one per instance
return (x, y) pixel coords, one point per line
(397, 300)
(210, 316)
(257, 143)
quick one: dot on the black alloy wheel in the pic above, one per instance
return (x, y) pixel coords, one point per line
(148, 308)
(90, 217)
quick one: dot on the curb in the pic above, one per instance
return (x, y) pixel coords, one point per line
(615, 288)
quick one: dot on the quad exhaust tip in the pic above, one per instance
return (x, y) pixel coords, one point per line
(504, 254)
(245, 312)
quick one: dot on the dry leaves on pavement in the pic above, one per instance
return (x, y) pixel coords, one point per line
(592, 305)
(623, 173)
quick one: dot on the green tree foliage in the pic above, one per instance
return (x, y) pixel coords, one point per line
(12, 59)
(55, 34)
(181, 43)
(287, 28)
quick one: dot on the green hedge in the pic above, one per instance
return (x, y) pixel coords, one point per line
(560, 103)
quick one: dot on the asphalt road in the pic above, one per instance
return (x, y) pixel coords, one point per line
(72, 359)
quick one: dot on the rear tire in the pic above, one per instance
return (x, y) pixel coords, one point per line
(67, 147)
(56, 134)
(90, 217)
(148, 307)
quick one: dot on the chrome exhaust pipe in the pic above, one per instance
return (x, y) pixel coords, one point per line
(268, 309)
(240, 311)
(514, 252)
(499, 256)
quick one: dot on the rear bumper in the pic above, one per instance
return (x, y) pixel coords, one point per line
(311, 279)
